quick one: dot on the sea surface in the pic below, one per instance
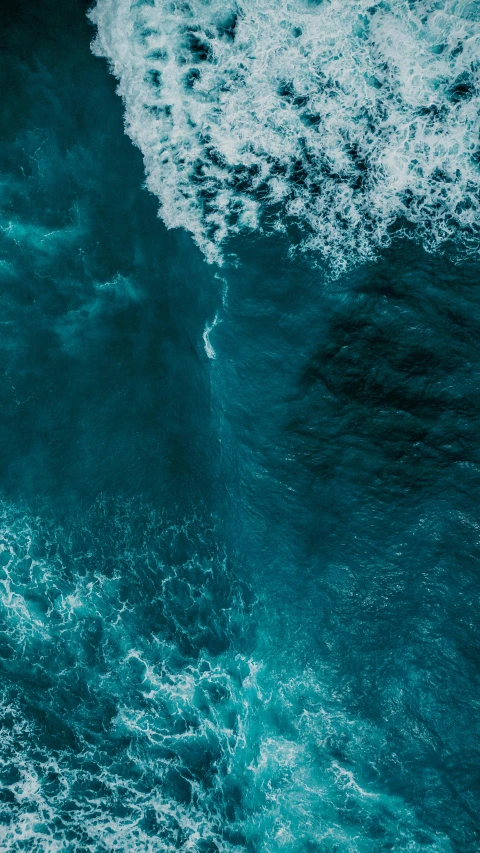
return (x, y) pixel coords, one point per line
(240, 426)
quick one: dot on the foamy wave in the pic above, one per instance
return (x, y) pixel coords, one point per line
(138, 716)
(349, 120)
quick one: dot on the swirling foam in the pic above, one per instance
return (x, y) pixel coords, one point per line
(137, 715)
(342, 123)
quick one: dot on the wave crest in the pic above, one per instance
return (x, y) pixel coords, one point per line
(350, 120)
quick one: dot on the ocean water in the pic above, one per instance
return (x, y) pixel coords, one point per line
(240, 433)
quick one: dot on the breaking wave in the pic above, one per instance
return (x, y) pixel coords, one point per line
(341, 123)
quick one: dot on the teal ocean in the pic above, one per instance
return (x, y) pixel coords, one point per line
(240, 440)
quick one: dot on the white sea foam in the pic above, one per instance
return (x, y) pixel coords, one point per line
(209, 327)
(337, 121)
(133, 719)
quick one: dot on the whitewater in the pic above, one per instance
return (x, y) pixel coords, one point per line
(166, 727)
(341, 123)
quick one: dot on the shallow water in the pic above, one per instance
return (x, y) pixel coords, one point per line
(239, 510)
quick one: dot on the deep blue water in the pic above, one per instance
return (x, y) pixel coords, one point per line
(240, 535)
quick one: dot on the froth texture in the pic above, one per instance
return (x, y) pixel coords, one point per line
(341, 123)
(138, 714)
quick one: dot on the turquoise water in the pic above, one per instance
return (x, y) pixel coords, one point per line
(239, 499)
